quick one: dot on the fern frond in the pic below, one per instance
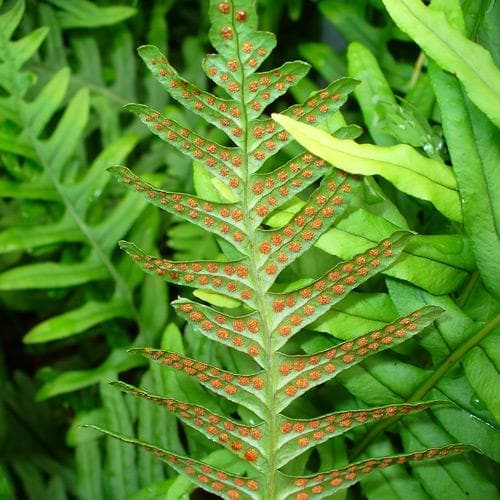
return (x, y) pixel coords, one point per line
(271, 376)
(300, 435)
(301, 373)
(238, 332)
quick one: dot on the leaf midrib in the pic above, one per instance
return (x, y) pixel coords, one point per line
(270, 475)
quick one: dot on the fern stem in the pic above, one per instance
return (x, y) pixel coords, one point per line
(417, 70)
(106, 261)
(462, 298)
(432, 381)
(120, 282)
(269, 372)
(270, 402)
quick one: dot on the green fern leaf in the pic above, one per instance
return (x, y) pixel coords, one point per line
(272, 376)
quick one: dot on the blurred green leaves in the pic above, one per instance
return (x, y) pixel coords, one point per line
(48, 133)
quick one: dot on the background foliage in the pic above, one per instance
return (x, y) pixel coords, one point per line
(71, 303)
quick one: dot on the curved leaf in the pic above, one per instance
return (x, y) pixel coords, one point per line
(76, 321)
(51, 275)
(85, 14)
(401, 165)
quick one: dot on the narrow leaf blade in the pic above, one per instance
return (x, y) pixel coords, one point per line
(409, 171)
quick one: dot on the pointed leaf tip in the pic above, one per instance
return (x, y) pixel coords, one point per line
(115, 170)
(278, 117)
(91, 426)
(135, 107)
(125, 245)
(143, 48)
(400, 236)
(138, 350)
(431, 308)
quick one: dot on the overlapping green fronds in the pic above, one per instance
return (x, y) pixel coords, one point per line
(364, 22)
(453, 51)
(68, 217)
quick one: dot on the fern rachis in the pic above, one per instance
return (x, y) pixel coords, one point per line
(271, 318)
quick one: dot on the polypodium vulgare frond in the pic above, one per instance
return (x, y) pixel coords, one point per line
(270, 319)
